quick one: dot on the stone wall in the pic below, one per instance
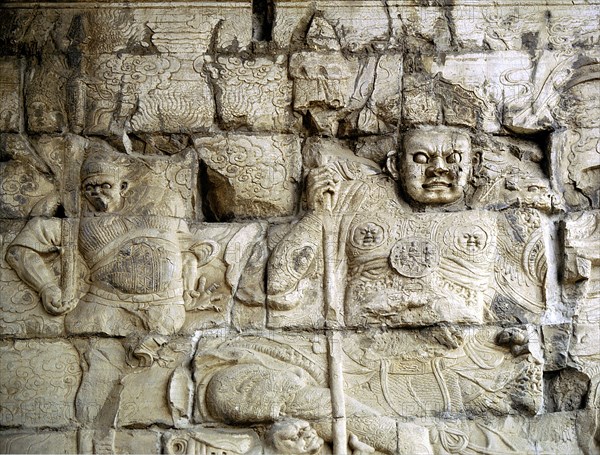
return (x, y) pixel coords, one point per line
(289, 227)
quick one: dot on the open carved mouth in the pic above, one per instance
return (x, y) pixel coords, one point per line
(436, 184)
(100, 203)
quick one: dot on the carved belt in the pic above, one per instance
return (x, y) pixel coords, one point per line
(112, 297)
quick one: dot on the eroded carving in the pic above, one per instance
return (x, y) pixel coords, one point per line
(10, 90)
(251, 176)
(39, 383)
(254, 94)
(142, 265)
(254, 380)
(400, 267)
(329, 228)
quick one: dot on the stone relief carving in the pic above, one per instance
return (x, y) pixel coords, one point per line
(255, 176)
(10, 94)
(286, 228)
(405, 268)
(254, 94)
(39, 383)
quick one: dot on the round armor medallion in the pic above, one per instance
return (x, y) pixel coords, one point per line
(368, 235)
(414, 257)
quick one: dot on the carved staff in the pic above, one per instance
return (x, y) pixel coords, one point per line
(70, 191)
(333, 324)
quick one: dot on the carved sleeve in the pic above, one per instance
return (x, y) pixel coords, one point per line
(295, 256)
(38, 238)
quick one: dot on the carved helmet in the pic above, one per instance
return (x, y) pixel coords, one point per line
(101, 163)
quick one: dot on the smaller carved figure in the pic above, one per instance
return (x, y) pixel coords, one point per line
(293, 437)
(253, 380)
(142, 270)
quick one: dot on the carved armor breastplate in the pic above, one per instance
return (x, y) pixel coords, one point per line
(420, 268)
(141, 266)
(133, 255)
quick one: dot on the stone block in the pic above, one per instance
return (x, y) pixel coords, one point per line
(38, 442)
(119, 441)
(442, 372)
(156, 93)
(39, 383)
(557, 338)
(581, 264)
(225, 274)
(252, 94)
(11, 113)
(211, 440)
(251, 176)
(577, 164)
(566, 391)
(349, 22)
(554, 433)
(496, 79)
(260, 379)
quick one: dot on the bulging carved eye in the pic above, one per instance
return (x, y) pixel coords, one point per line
(420, 158)
(88, 188)
(106, 186)
(454, 157)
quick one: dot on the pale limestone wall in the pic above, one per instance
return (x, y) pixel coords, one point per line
(300, 227)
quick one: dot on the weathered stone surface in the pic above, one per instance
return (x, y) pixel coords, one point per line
(205, 440)
(28, 441)
(46, 99)
(346, 19)
(22, 313)
(119, 441)
(567, 391)
(281, 227)
(442, 371)
(577, 154)
(581, 273)
(39, 383)
(224, 273)
(496, 79)
(168, 381)
(557, 338)
(10, 95)
(254, 94)
(251, 176)
(154, 92)
(554, 433)
(29, 173)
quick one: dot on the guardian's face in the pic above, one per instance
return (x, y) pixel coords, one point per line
(435, 165)
(103, 192)
(297, 437)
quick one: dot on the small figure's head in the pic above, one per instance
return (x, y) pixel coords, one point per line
(102, 183)
(434, 164)
(293, 437)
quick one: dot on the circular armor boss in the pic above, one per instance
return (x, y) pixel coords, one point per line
(414, 257)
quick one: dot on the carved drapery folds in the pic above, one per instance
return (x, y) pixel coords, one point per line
(299, 228)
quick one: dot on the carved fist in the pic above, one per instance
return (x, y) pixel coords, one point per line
(202, 298)
(514, 338)
(321, 181)
(51, 296)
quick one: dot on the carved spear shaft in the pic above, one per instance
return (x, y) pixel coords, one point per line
(333, 324)
(70, 185)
